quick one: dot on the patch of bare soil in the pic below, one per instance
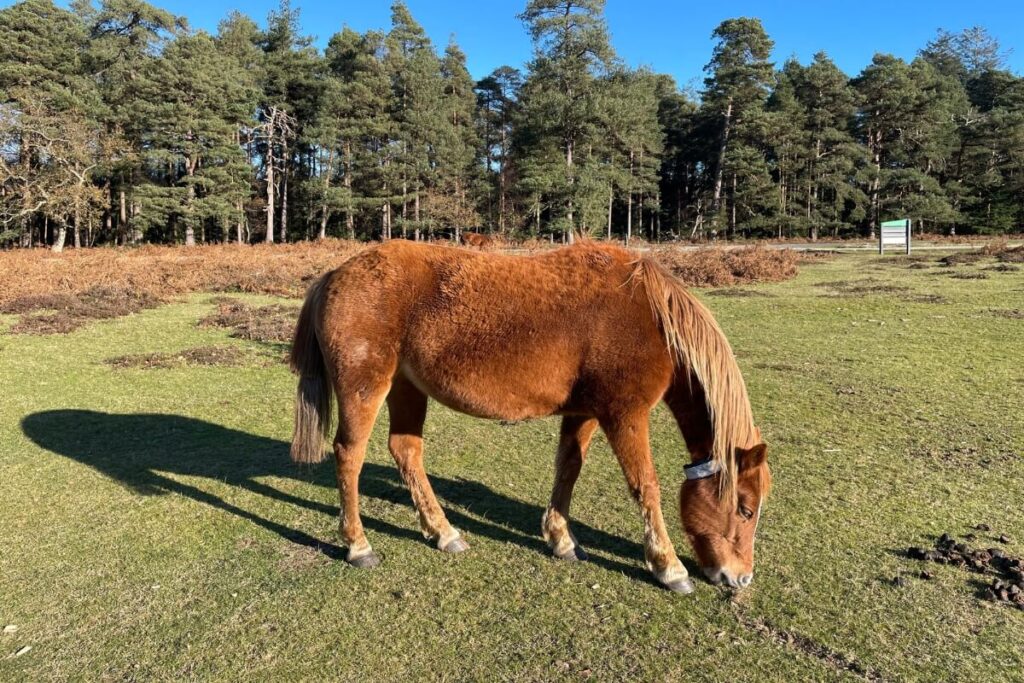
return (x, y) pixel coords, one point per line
(902, 260)
(963, 257)
(60, 313)
(1003, 268)
(1006, 571)
(1011, 313)
(924, 298)
(968, 276)
(837, 661)
(296, 557)
(1011, 255)
(274, 323)
(209, 356)
(843, 288)
(741, 293)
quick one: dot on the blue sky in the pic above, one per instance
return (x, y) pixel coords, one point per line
(672, 37)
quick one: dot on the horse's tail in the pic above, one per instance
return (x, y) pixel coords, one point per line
(699, 346)
(313, 398)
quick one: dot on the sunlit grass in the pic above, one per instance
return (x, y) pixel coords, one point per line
(153, 527)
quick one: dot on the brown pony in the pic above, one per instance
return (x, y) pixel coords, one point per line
(588, 332)
(475, 239)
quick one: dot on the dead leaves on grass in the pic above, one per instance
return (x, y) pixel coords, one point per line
(61, 313)
(201, 356)
(268, 324)
(725, 267)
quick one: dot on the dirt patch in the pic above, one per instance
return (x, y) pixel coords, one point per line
(968, 276)
(810, 647)
(296, 557)
(966, 455)
(1014, 255)
(209, 356)
(1011, 313)
(963, 257)
(68, 312)
(1003, 268)
(999, 249)
(902, 260)
(741, 293)
(1006, 571)
(724, 267)
(275, 323)
(844, 288)
(924, 298)
(919, 266)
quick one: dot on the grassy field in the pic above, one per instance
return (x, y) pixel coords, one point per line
(153, 528)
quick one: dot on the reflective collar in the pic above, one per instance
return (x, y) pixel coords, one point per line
(702, 469)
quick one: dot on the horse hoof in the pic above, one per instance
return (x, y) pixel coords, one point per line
(456, 545)
(682, 586)
(367, 561)
(573, 554)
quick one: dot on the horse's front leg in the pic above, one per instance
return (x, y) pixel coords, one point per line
(628, 436)
(572, 449)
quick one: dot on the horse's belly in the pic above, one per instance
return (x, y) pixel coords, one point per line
(495, 393)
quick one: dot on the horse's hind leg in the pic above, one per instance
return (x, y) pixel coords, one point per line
(407, 406)
(628, 437)
(357, 411)
(572, 449)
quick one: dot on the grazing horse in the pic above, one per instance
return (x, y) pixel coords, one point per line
(475, 239)
(589, 332)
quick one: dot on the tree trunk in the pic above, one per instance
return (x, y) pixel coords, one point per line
(190, 233)
(629, 215)
(59, 237)
(350, 212)
(327, 185)
(716, 202)
(270, 185)
(569, 211)
(122, 218)
(284, 194)
(732, 209)
(611, 199)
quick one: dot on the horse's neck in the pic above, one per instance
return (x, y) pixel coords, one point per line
(686, 401)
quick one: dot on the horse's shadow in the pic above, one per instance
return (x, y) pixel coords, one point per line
(136, 449)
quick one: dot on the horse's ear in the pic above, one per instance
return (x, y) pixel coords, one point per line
(751, 457)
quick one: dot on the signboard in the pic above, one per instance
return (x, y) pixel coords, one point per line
(894, 234)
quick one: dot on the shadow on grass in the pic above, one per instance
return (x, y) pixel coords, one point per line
(136, 450)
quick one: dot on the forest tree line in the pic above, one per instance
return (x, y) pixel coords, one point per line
(120, 125)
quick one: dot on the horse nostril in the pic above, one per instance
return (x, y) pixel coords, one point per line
(746, 579)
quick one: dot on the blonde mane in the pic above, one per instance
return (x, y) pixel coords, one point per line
(698, 344)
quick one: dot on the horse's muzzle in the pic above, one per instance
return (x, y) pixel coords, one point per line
(719, 575)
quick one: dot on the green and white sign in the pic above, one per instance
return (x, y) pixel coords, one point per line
(894, 234)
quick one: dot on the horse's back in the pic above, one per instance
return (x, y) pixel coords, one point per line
(491, 334)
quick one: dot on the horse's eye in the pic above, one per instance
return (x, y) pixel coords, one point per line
(747, 514)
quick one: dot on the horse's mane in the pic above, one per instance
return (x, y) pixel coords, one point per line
(698, 344)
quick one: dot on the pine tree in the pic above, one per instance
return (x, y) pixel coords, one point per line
(571, 52)
(739, 74)
(192, 105)
(497, 99)
(452, 203)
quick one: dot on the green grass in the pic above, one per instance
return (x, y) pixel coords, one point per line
(154, 529)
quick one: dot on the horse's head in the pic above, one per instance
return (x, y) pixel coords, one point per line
(722, 535)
